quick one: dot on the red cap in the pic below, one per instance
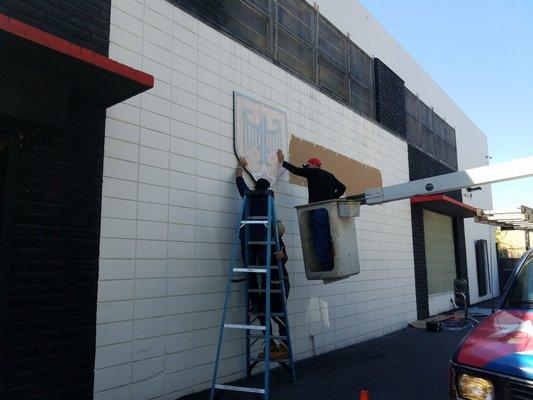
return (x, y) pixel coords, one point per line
(314, 161)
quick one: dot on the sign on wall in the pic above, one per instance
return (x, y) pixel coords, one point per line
(260, 130)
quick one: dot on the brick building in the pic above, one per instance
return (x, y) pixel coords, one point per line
(117, 225)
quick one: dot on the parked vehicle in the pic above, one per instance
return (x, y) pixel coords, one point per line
(495, 360)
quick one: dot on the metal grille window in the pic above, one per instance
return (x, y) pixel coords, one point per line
(439, 145)
(332, 58)
(296, 17)
(249, 20)
(361, 81)
(294, 39)
(412, 118)
(426, 127)
(429, 131)
(450, 135)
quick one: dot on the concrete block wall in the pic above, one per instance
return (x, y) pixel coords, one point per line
(170, 204)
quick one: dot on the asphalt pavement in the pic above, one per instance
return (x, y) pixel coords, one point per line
(407, 364)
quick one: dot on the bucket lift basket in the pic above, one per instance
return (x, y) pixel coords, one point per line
(341, 213)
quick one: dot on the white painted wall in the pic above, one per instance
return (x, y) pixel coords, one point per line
(169, 203)
(365, 31)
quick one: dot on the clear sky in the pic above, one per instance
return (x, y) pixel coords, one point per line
(481, 53)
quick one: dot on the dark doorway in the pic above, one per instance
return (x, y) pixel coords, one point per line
(7, 180)
(482, 261)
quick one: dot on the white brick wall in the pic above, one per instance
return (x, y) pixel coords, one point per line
(170, 203)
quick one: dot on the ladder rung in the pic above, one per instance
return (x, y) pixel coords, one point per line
(258, 217)
(258, 242)
(264, 290)
(280, 360)
(240, 389)
(243, 326)
(258, 270)
(273, 267)
(254, 222)
(262, 314)
(271, 336)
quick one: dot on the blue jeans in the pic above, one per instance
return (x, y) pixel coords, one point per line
(321, 236)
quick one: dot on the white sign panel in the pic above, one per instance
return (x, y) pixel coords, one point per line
(260, 130)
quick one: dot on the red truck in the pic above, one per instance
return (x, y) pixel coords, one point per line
(495, 360)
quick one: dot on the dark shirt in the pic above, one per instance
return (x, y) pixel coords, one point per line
(258, 207)
(321, 185)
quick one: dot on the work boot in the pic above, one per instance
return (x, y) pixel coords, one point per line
(273, 349)
(280, 353)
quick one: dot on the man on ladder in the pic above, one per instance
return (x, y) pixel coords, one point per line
(258, 235)
(256, 255)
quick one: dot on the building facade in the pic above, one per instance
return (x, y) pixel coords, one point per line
(160, 202)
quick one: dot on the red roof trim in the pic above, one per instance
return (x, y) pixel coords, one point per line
(441, 197)
(63, 46)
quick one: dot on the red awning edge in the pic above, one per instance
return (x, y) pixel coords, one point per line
(63, 46)
(445, 205)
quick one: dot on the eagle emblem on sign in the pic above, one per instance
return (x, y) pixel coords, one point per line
(260, 130)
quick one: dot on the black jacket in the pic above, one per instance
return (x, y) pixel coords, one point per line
(258, 207)
(321, 185)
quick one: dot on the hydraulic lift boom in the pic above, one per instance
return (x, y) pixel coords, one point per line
(342, 211)
(505, 171)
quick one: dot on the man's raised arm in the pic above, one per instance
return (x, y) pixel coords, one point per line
(241, 185)
(291, 168)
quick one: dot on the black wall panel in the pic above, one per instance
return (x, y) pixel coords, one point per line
(390, 98)
(47, 343)
(83, 22)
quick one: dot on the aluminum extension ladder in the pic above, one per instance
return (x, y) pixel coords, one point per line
(256, 333)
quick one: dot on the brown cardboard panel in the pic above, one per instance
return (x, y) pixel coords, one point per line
(357, 177)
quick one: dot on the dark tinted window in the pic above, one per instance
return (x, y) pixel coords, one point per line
(295, 37)
(332, 58)
(521, 292)
(426, 127)
(361, 81)
(296, 17)
(248, 20)
(429, 131)
(295, 55)
(412, 119)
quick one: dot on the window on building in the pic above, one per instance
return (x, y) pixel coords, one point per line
(439, 144)
(332, 58)
(412, 118)
(451, 146)
(427, 130)
(361, 81)
(294, 36)
(426, 127)
(249, 20)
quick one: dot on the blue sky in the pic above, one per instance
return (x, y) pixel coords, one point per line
(481, 53)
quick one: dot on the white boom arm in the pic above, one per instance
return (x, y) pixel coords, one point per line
(505, 171)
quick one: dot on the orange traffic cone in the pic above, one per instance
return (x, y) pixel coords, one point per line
(364, 395)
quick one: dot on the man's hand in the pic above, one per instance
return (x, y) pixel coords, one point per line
(281, 157)
(242, 164)
(280, 255)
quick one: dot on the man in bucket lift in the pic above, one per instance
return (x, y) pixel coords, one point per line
(321, 185)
